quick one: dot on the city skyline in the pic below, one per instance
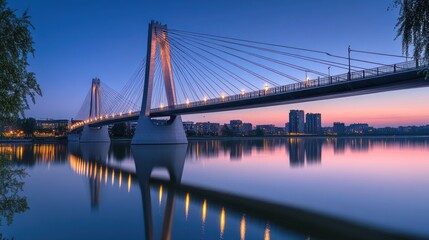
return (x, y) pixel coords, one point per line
(109, 41)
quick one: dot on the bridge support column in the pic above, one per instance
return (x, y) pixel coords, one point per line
(148, 133)
(95, 134)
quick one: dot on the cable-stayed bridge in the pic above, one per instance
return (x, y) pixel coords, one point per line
(186, 73)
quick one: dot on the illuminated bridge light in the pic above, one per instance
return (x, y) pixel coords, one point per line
(266, 87)
(243, 92)
(101, 173)
(205, 99)
(222, 222)
(113, 115)
(129, 112)
(120, 114)
(187, 102)
(161, 106)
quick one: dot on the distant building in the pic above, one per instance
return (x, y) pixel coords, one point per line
(286, 128)
(246, 128)
(189, 126)
(313, 123)
(235, 126)
(358, 128)
(207, 128)
(296, 121)
(339, 128)
(52, 127)
(269, 129)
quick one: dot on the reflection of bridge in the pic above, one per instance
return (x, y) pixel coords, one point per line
(90, 160)
(204, 65)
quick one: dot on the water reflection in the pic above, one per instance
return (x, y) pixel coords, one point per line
(198, 213)
(12, 200)
(301, 151)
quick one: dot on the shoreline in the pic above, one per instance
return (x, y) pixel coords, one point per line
(235, 138)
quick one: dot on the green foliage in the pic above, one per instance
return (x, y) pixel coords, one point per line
(11, 184)
(28, 125)
(413, 26)
(16, 83)
(119, 130)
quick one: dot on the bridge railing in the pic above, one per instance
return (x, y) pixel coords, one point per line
(330, 80)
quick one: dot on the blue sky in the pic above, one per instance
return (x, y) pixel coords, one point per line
(77, 40)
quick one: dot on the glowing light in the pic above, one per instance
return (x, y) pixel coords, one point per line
(187, 101)
(205, 99)
(204, 211)
(267, 232)
(187, 205)
(101, 173)
(222, 222)
(160, 195)
(113, 115)
(129, 182)
(243, 92)
(120, 114)
(129, 112)
(266, 87)
(243, 228)
(161, 106)
(223, 97)
(101, 117)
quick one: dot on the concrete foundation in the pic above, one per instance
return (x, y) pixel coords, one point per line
(96, 134)
(73, 137)
(148, 133)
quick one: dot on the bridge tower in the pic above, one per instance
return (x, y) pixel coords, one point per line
(146, 132)
(95, 134)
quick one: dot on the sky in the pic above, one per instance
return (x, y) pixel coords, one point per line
(76, 40)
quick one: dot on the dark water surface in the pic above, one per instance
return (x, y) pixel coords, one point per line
(291, 188)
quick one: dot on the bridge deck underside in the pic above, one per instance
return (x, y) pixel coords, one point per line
(398, 81)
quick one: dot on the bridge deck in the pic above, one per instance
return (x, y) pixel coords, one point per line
(392, 77)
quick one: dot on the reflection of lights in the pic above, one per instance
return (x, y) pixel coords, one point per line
(113, 176)
(243, 228)
(222, 222)
(105, 175)
(187, 205)
(129, 182)
(101, 173)
(267, 232)
(120, 179)
(160, 195)
(204, 211)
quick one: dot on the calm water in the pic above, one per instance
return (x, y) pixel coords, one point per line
(241, 189)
